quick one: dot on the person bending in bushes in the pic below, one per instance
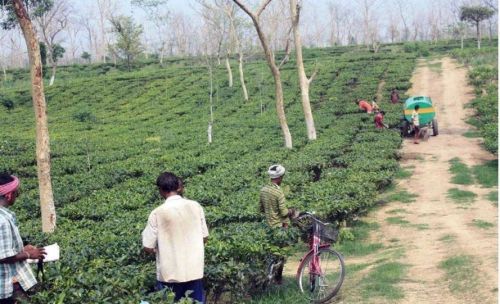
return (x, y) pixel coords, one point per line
(16, 276)
(176, 233)
(364, 105)
(272, 204)
(415, 120)
(379, 120)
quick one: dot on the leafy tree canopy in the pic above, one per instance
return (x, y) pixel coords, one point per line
(35, 8)
(475, 13)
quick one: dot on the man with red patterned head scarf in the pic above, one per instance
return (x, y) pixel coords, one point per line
(16, 275)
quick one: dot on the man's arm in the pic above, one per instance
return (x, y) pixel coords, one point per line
(283, 210)
(150, 234)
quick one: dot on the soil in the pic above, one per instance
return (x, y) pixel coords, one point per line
(424, 248)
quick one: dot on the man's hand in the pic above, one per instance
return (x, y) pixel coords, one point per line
(292, 213)
(34, 253)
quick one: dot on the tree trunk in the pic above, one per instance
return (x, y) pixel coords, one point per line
(303, 81)
(229, 72)
(280, 110)
(242, 77)
(478, 35)
(42, 132)
(53, 76)
(461, 42)
(4, 72)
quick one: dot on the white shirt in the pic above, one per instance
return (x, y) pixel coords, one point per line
(176, 229)
(415, 118)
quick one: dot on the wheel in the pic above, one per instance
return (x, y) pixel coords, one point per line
(322, 282)
(405, 129)
(435, 129)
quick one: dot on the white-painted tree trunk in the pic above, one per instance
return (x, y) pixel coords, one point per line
(53, 75)
(229, 72)
(278, 88)
(303, 81)
(242, 77)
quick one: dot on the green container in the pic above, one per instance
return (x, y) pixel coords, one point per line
(426, 111)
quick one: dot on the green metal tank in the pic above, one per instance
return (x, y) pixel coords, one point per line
(427, 113)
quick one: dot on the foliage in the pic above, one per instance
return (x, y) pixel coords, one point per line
(113, 132)
(86, 56)
(35, 8)
(128, 40)
(484, 76)
(475, 14)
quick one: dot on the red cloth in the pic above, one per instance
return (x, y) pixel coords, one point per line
(364, 105)
(9, 187)
(379, 121)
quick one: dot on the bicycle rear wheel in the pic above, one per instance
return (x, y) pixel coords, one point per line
(321, 283)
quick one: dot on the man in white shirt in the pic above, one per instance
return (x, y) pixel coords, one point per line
(176, 232)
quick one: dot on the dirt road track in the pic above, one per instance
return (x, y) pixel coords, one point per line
(424, 248)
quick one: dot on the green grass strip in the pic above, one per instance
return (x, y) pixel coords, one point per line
(460, 273)
(461, 196)
(482, 224)
(487, 174)
(383, 282)
(461, 173)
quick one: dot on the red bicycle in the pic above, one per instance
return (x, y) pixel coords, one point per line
(321, 271)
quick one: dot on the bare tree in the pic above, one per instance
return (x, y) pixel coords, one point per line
(51, 23)
(234, 41)
(304, 82)
(42, 131)
(275, 70)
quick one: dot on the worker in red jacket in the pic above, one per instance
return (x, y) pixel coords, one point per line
(379, 120)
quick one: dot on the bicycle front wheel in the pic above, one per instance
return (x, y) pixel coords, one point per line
(321, 276)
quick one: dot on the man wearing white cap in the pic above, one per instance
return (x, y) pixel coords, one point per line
(272, 199)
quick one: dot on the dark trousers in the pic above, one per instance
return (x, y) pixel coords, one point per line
(194, 288)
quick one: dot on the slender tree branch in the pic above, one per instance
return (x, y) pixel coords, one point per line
(262, 7)
(288, 49)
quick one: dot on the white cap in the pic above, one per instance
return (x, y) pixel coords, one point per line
(276, 171)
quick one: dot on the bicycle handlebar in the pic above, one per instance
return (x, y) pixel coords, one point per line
(311, 216)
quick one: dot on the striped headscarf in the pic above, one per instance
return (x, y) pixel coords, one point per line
(10, 186)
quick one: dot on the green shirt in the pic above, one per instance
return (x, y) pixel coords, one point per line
(272, 203)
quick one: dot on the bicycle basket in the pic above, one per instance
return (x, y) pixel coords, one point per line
(328, 233)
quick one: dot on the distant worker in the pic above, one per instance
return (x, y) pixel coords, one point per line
(379, 120)
(176, 232)
(375, 106)
(16, 276)
(364, 105)
(415, 120)
(272, 204)
(394, 96)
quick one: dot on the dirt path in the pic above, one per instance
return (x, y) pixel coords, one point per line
(425, 249)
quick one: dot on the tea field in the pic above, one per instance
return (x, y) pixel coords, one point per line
(112, 132)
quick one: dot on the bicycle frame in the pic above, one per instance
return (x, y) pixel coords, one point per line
(314, 246)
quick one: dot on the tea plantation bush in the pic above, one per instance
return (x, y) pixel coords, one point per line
(483, 75)
(113, 132)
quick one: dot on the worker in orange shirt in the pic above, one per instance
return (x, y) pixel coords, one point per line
(364, 105)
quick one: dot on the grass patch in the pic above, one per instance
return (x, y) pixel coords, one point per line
(487, 174)
(357, 267)
(459, 273)
(482, 224)
(395, 211)
(383, 282)
(448, 238)
(402, 196)
(355, 245)
(493, 197)
(461, 196)
(472, 134)
(286, 293)
(421, 226)
(404, 173)
(461, 173)
(397, 220)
